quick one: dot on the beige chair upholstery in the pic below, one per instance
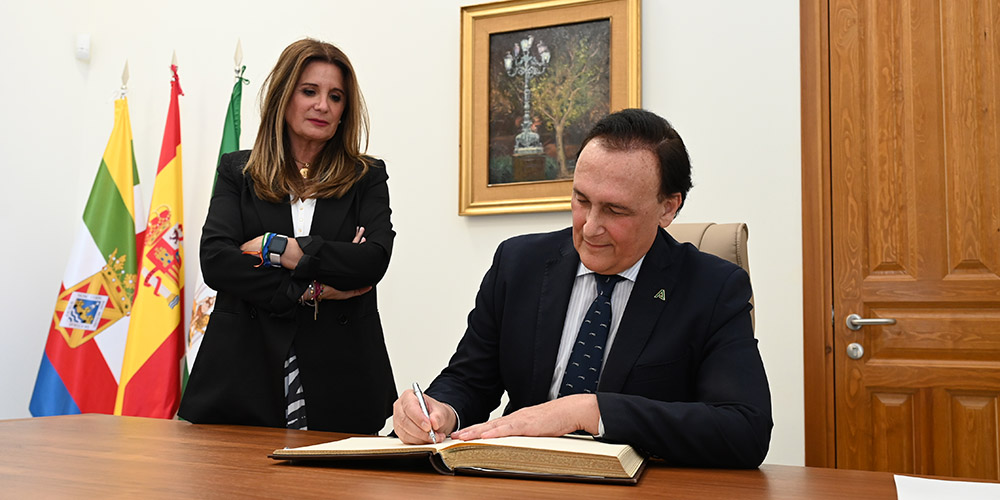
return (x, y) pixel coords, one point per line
(728, 241)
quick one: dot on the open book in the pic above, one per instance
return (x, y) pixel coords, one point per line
(578, 458)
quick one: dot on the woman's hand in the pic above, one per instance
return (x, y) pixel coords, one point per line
(252, 246)
(331, 293)
(292, 255)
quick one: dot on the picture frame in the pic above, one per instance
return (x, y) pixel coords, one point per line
(516, 157)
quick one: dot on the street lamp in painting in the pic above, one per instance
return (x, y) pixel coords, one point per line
(529, 160)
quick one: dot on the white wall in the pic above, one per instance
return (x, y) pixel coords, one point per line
(725, 73)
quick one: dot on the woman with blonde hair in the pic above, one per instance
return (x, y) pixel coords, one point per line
(297, 236)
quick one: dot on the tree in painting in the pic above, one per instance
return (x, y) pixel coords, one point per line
(573, 93)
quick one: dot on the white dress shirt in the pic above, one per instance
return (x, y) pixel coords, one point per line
(302, 216)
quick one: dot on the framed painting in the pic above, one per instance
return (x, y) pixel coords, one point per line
(536, 76)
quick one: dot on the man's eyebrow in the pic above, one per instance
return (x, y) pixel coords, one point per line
(619, 207)
(616, 206)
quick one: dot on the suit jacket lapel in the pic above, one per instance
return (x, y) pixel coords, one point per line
(659, 272)
(331, 214)
(557, 283)
(274, 217)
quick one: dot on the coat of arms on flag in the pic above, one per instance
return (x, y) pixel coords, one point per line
(89, 307)
(163, 241)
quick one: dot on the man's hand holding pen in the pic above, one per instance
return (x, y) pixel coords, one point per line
(410, 424)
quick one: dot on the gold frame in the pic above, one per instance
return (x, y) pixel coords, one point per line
(476, 197)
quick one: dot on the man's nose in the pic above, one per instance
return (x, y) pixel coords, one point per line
(594, 225)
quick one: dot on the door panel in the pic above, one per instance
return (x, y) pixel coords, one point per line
(915, 180)
(971, 62)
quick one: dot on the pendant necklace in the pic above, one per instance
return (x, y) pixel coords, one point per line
(305, 168)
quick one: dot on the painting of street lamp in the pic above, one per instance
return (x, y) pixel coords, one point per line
(547, 87)
(535, 76)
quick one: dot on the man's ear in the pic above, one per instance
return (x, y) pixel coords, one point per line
(669, 206)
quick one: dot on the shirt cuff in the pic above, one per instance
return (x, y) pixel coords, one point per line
(600, 427)
(458, 420)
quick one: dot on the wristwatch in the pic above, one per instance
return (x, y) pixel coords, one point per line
(276, 248)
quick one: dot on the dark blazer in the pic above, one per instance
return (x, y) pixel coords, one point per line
(684, 380)
(343, 364)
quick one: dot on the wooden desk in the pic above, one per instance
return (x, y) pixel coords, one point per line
(102, 456)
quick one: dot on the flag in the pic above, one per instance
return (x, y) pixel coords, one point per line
(151, 370)
(204, 296)
(81, 364)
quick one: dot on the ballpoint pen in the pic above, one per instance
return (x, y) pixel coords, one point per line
(423, 407)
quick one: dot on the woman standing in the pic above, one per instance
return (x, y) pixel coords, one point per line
(298, 234)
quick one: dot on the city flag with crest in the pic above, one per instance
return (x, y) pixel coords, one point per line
(82, 360)
(151, 370)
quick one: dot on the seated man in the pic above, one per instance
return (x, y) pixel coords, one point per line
(611, 327)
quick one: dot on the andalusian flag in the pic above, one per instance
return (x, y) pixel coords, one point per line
(81, 365)
(151, 372)
(204, 296)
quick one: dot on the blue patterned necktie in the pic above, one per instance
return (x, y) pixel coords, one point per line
(584, 367)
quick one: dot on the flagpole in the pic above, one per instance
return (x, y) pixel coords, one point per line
(204, 300)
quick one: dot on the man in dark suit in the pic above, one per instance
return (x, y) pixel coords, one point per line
(675, 371)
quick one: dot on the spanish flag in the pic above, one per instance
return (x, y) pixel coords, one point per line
(81, 364)
(151, 371)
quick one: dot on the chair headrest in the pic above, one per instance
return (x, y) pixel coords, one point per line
(728, 241)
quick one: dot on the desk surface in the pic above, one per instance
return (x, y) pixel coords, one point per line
(100, 456)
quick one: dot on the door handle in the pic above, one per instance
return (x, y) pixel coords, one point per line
(855, 322)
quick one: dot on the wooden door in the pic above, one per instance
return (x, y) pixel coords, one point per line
(915, 188)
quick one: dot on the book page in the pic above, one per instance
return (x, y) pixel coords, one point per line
(380, 445)
(365, 445)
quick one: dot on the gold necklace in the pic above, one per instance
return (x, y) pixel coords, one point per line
(305, 168)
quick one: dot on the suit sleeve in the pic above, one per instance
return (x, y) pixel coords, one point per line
(345, 265)
(729, 425)
(472, 382)
(223, 264)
